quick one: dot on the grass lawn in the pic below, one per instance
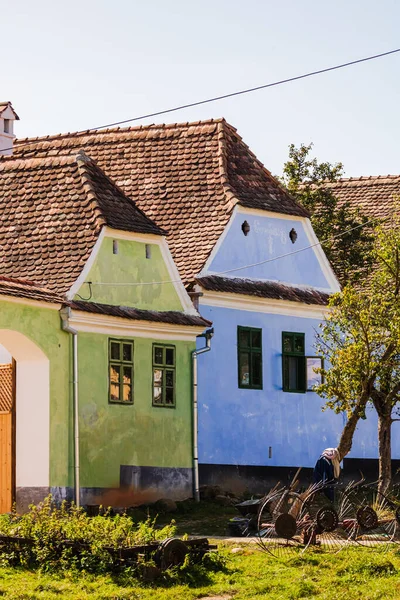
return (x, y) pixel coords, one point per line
(348, 575)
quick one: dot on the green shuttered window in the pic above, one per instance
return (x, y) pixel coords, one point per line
(293, 362)
(164, 375)
(249, 357)
(120, 359)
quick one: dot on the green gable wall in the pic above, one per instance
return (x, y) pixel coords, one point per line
(131, 265)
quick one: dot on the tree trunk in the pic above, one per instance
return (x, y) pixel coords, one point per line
(385, 452)
(346, 439)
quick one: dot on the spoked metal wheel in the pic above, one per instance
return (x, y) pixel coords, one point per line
(377, 519)
(325, 505)
(282, 518)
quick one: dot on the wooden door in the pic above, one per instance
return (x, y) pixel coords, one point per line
(7, 395)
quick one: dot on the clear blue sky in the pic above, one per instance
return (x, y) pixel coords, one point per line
(78, 64)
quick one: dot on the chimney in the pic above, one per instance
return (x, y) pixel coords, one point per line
(7, 118)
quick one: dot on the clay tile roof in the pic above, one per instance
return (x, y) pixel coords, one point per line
(136, 314)
(187, 177)
(374, 196)
(4, 105)
(51, 213)
(27, 289)
(263, 289)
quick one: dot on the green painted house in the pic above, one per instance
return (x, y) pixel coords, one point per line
(98, 329)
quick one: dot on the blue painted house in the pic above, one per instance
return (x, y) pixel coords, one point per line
(248, 256)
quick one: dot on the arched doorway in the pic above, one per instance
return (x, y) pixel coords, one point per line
(25, 420)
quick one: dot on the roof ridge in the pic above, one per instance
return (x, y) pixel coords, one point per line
(366, 178)
(82, 159)
(26, 282)
(69, 134)
(261, 165)
(12, 163)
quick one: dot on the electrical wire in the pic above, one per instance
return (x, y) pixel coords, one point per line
(222, 97)
(262, 262)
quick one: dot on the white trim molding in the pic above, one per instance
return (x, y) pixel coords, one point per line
(110, 325)
(144, 238)
(29, 302)
(263, 305)
(86, 269)
(323, 262)
(321, 257)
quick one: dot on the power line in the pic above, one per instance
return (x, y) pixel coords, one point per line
(224, 96)
(262, 262)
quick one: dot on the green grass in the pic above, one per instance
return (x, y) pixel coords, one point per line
(354, 574)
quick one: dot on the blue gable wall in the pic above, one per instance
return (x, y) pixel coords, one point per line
(268, 238)
(237, 426)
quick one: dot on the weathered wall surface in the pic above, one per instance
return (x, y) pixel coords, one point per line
(116, 436)
(32, 335)
(267, 427)
(267, 239)
(130, 265)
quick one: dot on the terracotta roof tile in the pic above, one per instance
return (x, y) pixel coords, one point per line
(125, 312)
(375, 196)
(187, 177)
(51, 213)
(263, 289)
(28, 290)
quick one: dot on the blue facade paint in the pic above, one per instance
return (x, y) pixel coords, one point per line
(269, 238)
(238, 426)
(365, 442)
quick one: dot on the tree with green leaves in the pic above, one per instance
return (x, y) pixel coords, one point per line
(360, 342)
(341, 229)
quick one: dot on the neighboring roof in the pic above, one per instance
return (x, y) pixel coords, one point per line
(27, 290)
(51, 213)
(187, 177)
(4, 105)
(374, 196)
(136, 314)
(262, 289)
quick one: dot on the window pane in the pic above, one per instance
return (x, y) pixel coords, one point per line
(169, 356)
(313, 378)
(244, 368)
(127, 352)
(127, 391)
(158, 355)
(128, 375)
(157, 395)
(169, 396)
(157, 376)
(169, 378)
(292, 371)
(256, 338)
(244, 338)
(298, 343)
(256, 368)
(114, 392)
(287, 343)
(115, 351)
(115, 373)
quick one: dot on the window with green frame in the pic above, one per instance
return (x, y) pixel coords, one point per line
(164, 375)
(120, 361)
(249, 357)
(293, 362)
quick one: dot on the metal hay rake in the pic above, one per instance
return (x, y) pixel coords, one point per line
(327, 516)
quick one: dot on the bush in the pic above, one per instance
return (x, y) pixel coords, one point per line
(67, 538)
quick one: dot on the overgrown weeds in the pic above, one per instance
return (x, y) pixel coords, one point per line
(66, 538)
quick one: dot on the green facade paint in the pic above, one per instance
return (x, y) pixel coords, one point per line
(42, 326)
(131, 434)
(130, 265)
